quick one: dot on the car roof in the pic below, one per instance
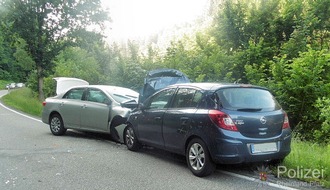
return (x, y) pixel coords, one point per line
(215, 86)
(104, 87)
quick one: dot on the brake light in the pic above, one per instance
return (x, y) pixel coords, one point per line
(222, 120)
(286, 124)
(44, 103)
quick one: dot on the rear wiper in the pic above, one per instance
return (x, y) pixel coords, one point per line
(249, 109)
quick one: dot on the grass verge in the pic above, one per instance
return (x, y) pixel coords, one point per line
(3, 84)
(308, 162)
(23, 100)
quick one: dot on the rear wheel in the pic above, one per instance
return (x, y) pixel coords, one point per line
(56, 125)
(130, 139)
(198, 158)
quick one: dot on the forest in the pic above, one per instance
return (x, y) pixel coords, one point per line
(283, 45)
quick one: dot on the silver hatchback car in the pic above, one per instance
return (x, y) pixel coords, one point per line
(95, 108)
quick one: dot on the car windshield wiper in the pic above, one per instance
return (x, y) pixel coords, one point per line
(249, 109)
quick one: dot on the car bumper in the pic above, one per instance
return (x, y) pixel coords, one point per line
(235, 151)
(45, 117)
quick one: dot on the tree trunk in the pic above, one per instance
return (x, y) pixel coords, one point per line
(40, 83)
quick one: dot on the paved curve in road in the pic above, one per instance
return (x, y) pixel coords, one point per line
(32, 158)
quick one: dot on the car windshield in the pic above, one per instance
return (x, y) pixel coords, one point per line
(246, 99)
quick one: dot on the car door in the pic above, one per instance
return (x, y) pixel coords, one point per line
(70, 107)
(95, 111)
(179, 118)
(151, 118)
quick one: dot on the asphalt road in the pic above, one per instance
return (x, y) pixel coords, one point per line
(32, 158)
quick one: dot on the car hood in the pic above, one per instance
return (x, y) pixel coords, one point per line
(159, 79)
(64, 83)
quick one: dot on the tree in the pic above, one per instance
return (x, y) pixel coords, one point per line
(50, 26)
(300, 84)
(133, 73)
(5, 53)
(73, 62)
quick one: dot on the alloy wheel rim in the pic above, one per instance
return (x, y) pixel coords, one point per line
(196, 156)
(130, 137)
(55, 124)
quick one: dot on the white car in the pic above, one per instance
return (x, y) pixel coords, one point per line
(12, 85)
(94, 108)
(20, 85)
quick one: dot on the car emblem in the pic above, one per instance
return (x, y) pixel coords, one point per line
(263, 120)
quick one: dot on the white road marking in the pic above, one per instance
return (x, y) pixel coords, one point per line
(256, 180)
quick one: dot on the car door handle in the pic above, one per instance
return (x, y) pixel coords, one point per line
(83, 106)
(185, 120)
(157, 118)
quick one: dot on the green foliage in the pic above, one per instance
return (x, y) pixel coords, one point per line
(49, 27)
(49, 87)
(133, 74)
(78, 63)
(200, 58)
(305, 79)
(73, 62)
(3, 84)
(32, 81)
(278, 44)
(322, 135)
(6, 51)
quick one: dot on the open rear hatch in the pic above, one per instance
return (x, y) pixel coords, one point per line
(159, 79)
(64, 83)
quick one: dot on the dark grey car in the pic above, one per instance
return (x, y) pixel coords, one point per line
(212, 123)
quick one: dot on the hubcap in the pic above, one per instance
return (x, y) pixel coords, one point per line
(129, 137)
(55, 124)
(196, 156)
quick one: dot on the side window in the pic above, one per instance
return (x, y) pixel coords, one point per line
(76, 93)
(187, 98)
(95, 95)
(161, 100)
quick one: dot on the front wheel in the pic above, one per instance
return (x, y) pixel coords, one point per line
(56, 125)
(198, 158)
(130, 139)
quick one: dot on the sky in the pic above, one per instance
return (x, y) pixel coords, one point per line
(141, 18)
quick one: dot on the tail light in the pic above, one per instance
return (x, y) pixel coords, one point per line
(286, 124)
(222, 120)
(44, 103)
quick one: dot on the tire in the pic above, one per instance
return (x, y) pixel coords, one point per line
(130, 139)
(198, 158)
(56, 125)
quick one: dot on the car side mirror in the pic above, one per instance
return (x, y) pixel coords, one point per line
(129, 104)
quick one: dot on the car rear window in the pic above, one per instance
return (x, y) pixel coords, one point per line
(247, 99)
(76, 93)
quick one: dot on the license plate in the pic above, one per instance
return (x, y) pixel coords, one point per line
(263, 147)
